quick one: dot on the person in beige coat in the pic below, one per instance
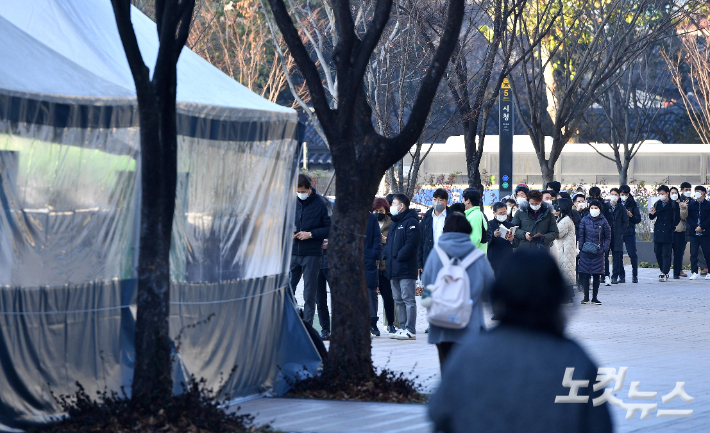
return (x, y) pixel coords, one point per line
(566, 242)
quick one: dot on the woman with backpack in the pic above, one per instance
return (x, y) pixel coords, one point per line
(456, 243)
(594, 241)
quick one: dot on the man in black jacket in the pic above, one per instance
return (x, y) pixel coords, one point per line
(432, 226)
(663, 211)
(401, 261)
(632, 210)
(617, 217)
(500, 247)
(311, 228)
(698, 228)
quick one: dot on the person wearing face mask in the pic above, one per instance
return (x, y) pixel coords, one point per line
(549, 196)
(634, 214)
(381, 208)
(618, 219)
(679, 241)
(475, 216)
(594, 230)
(401, 262)
(697, 220)
(664, 214)
(510, 206)
(567, 244)
(500, 247)
(521, 195)
(536, 223)
(432, 225)
(311, 228)
(688, 196)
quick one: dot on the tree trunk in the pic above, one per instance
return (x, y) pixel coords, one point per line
(548, 174)
(350, 347)
(624, 173)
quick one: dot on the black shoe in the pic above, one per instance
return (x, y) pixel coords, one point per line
(391, 329)
(634, 280)
(325, 335)
(596, 302)
(495, 317)
(676, 277)
(374, 330)
(585, 301)
(622, 280)
(614, 281)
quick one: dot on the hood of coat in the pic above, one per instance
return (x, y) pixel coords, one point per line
(456, 244)
(409, 213)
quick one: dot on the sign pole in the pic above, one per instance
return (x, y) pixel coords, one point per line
(505, 140)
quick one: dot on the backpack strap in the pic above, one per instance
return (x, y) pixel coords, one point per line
(442, 255)
(471, 258)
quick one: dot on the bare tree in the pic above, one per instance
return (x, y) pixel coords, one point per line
(628, 110)
(482, 59)
(152, 384)
(360, 157)
(587, 52)
(235, 38)
(690, 72)
(393, 75)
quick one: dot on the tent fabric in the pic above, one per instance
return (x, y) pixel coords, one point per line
(69, 192)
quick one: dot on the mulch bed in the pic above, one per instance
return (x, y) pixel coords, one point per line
(384, 387)
(195, 411)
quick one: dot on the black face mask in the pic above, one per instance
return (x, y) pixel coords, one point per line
(381, 216)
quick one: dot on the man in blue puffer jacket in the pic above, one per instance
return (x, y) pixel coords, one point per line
(311, 228)
(401, 261)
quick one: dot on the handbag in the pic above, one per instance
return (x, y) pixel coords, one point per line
(591, 247)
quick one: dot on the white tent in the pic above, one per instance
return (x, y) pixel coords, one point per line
(69, 194)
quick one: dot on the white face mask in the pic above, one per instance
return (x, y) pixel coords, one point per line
(614, 198)
(549, 202)
(510, 209)
(674, 196)
(502, 218)
(663, 197)
(594, 212)
(624, 197)
(581, 205)
(698, 194)
(535, 207)
(302, 195)
(520, 201)
(688, 194)
(394, 210)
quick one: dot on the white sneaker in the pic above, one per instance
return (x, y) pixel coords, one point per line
(394, 335)
(707, 277)
(695, 276)
(405, 335)
(661, 278)
(607, 281)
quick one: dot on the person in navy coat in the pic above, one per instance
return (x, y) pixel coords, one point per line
(667, 218)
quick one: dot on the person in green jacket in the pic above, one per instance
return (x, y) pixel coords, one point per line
(475, 216)
(536, 223)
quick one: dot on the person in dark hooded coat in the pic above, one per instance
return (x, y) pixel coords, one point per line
(536, 223)
(508, 379)
(595, 229)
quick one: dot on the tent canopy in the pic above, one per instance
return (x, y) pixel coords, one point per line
(69, 218)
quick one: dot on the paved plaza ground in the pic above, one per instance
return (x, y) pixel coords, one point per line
(658, 330)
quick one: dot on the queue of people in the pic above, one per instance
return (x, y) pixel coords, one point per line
(580, 231)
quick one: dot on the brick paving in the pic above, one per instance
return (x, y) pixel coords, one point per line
(658, 330)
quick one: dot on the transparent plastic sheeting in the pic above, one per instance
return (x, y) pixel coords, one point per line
(68, 253)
